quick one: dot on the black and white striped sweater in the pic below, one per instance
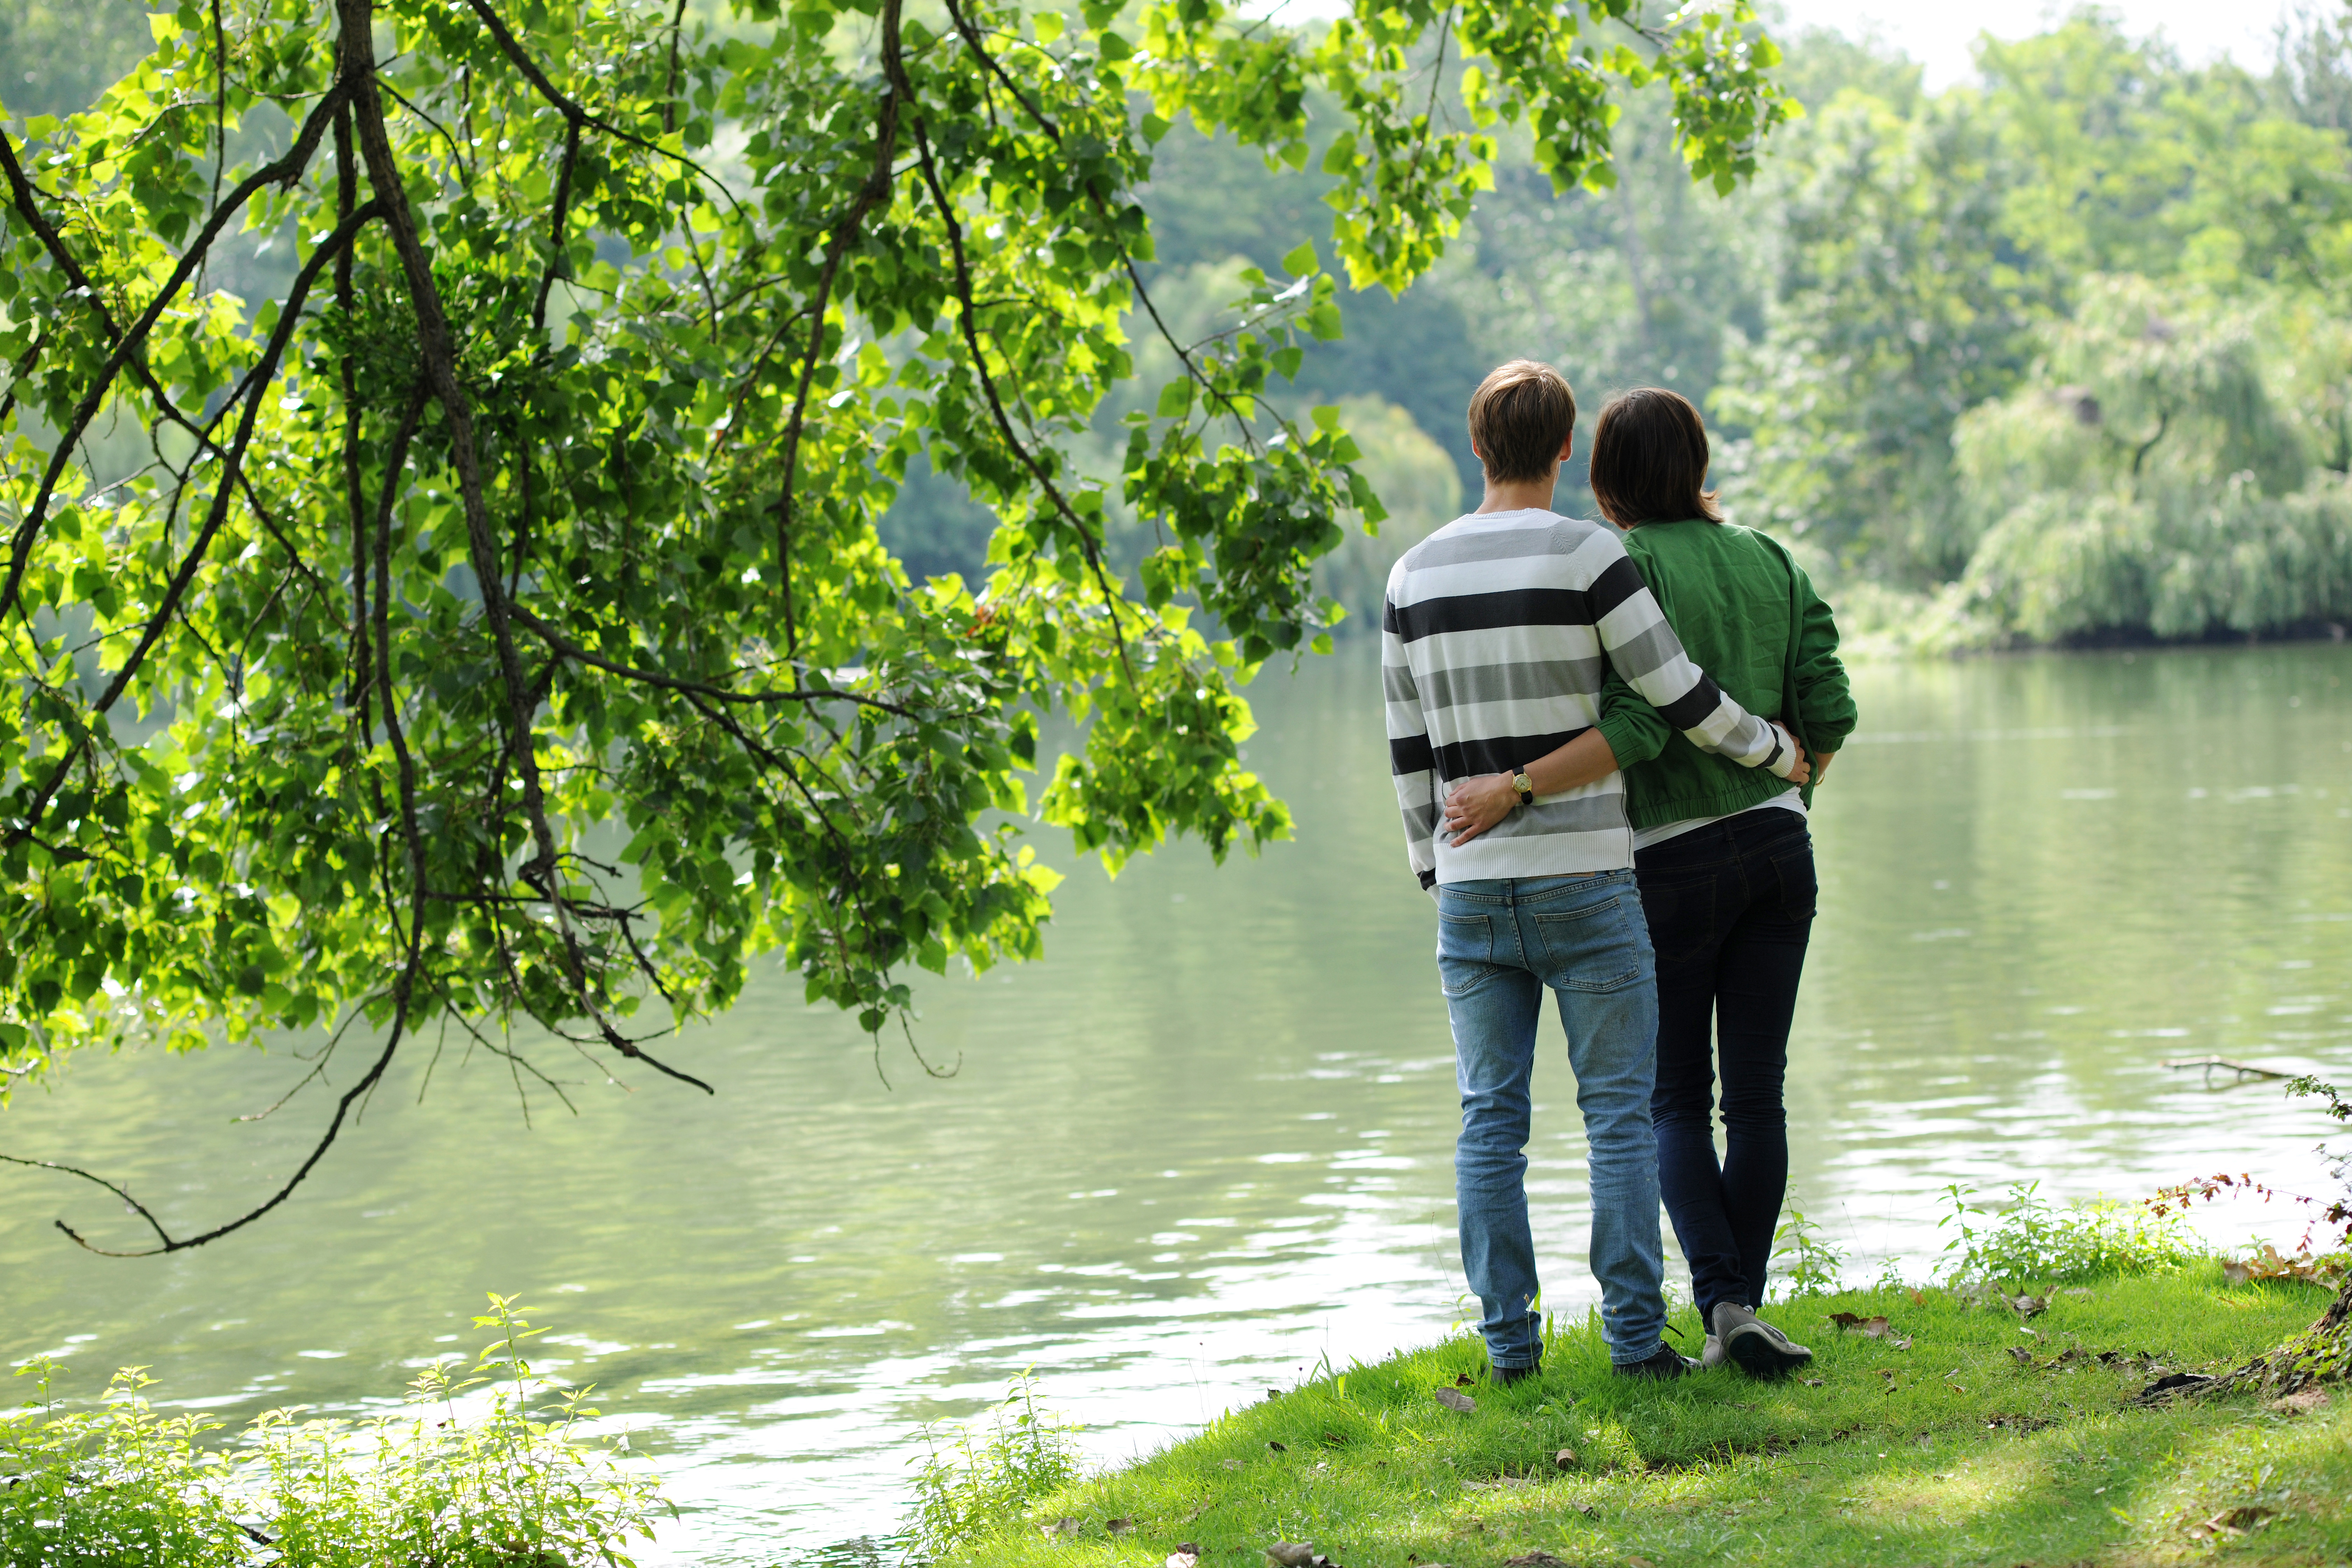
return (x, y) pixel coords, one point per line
(1495, 641)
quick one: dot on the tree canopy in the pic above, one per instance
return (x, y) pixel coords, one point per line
(488, 631)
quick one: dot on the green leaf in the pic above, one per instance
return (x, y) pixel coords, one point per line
(1302, 261)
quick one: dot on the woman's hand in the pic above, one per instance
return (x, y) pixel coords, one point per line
(1477, 803)
(1800, 771)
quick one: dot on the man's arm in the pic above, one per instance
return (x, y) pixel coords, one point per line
(1412, 767)
(1644, 648)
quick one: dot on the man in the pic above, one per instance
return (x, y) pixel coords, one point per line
(1497, 639)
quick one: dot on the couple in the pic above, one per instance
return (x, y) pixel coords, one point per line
(1528, 657)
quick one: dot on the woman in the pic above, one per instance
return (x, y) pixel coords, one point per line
(1722, 854)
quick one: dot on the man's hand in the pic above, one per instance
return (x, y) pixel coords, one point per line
(1477, 803)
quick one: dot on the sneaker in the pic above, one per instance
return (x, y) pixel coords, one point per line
(1662, 1363)
(1761, 1350)
(1711, 1355)
(1504, 1376)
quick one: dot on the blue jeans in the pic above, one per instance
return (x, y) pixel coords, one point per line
(1499, 943)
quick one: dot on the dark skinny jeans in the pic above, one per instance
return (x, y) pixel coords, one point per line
(1730, 906)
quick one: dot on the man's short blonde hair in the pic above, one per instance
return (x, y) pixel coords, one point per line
(1519, 417)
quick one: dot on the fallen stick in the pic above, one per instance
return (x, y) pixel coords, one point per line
(2243, 1069)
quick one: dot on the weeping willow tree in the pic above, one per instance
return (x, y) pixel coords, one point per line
(487, 636)
(2161, 470)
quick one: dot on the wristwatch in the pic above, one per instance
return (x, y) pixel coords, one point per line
(1527, 789)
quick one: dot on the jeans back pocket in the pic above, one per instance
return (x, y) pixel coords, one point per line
(1598, 947)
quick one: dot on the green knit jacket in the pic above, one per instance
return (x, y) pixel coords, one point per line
(1731, 594)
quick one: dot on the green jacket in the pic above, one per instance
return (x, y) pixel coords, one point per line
(1728, 592)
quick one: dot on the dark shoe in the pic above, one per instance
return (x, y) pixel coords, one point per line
(1761, 1350)
(1504, 1376)
(1664, 1363)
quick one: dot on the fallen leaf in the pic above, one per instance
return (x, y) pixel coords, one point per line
(2021, 1356)
(1848, 1321)
(1118, 1526)
(2231, 1522)
(1064, 1525)
(1290, 1553)
(2028, 1306)
(1455, 1399)
(2302, 1402)
(1813, 1383)
(1186, 1555)
(1278, 1447)
(1587, 1510)
(1918, 1298)
(1565, 1459)
(1463, 1380)
(1335, 1440)
(1534, 1560)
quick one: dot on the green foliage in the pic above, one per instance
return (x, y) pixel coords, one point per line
(2034, 1242)
(501, 1483)
(1895, 308)
(982, 1479)
(544, 500)
(1813, 1260)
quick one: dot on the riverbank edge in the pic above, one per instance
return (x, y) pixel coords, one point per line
(1957, 1430)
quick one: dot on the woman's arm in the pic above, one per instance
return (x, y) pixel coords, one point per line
(1475, 804)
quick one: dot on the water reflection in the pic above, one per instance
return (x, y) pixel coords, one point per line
(1207, 1143)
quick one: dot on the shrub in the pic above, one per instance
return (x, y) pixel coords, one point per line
(508, 1486)
(2034, 1240)
(985, 1476)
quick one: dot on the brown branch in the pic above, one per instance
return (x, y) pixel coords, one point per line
(555, 230)
(572, 650)
(439, 355)
(876, 190)
(669, 83)
(257, 382)
(512, 49)
(285, 169)
(966, 319)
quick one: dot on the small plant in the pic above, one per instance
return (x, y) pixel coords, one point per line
(510, 1487)
(1813, 1260)
(2036, 1240)
(984, 1477)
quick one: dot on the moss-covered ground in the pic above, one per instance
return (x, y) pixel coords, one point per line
(1966, 1434)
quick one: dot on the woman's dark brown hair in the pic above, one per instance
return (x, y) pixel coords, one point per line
(1649, 459)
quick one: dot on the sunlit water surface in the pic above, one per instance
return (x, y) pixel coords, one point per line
(1207, 1143)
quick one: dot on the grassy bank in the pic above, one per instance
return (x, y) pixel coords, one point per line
(1964, 1435)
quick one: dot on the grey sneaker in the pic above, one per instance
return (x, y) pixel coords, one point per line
(1761, 1350)
(1665, 1362)
(1711, 1356)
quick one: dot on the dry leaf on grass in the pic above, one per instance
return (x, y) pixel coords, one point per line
(1455, 1399)
(1290, 1553)
(1118, 1526)
(2302, 1403)
(1187, 1555)
(2229, 1522)
(1064, 1525)
(1534, 1560)
(1565, 1459)
(2028, 1306)
(1869, 1327)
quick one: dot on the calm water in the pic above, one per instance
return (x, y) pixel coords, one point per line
(1207, 1142)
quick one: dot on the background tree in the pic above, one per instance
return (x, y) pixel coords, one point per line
(489, 630)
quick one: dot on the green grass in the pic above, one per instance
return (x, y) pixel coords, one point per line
(1949, 1451)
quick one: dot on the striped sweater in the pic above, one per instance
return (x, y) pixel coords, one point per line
(1497, 639)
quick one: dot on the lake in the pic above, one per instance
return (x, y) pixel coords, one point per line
(1206, 1144)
